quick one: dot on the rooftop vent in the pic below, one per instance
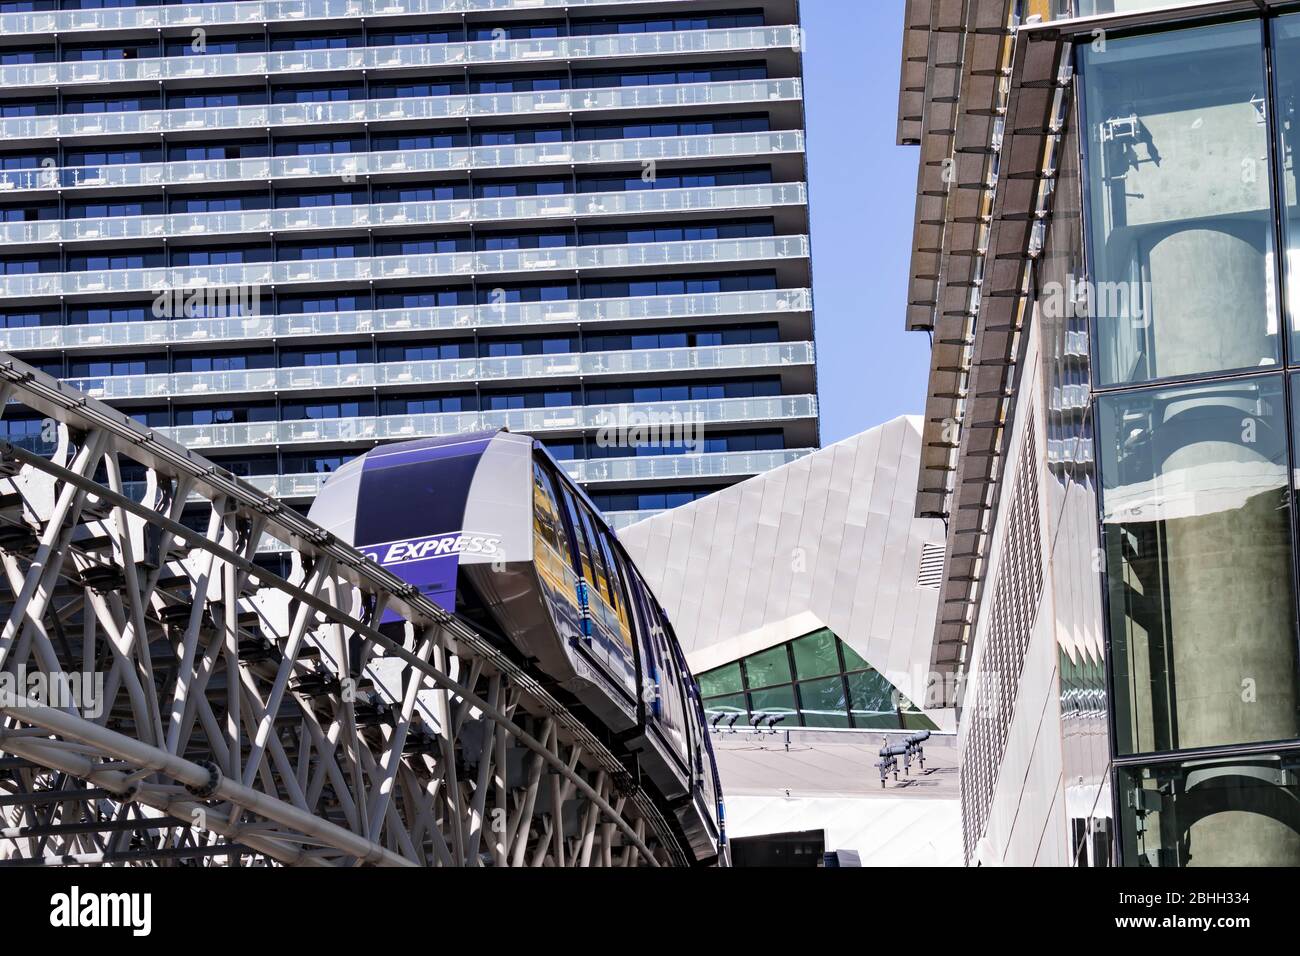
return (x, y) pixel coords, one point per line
(930, 574)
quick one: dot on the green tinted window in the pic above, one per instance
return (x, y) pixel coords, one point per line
(823, 702)
(721, 680)
(764, 683)
(815, 655)
(768, 668)
(918, 721)
(732, 702)
(779, 700)
(852, 660)
(872, 695)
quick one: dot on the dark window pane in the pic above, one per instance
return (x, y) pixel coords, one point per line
(769, 667)
(778, 700)
(853, 661)
(872, 699)
(728, 704)
(815, 655)
(722, 680)
(1195, 522)
(1286, 71)
(1239, 811)
(1178, 177)
(823, 703)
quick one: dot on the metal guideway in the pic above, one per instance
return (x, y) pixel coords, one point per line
(244, 718)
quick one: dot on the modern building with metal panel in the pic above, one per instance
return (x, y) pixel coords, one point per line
(805, 602)
(285, 231)
(1103, 258)
(826, 551)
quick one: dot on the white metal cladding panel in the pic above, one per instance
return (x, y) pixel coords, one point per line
(739, 608)
(830, 530)
(989, 760)
(786, 482)
(829, 538)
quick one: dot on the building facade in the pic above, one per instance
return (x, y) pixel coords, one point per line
(1103, 257)
(809, 591)
(804, 600)
(282, 232)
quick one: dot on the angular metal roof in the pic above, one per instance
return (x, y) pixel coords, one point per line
(830, 541)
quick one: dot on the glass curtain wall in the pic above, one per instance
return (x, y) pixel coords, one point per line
(813, 681)
(1186, 146)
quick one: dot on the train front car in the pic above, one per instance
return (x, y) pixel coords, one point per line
(490, 527)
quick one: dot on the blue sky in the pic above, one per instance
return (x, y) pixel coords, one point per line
(863, 194)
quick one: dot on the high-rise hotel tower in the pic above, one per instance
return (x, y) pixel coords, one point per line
(282, 232)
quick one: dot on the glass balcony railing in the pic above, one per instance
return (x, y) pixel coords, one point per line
(448, 212)
(311, 115)
(316, 62)
(619, 520)
(377, 322)
(338, 378)
(460, 159)
(667, 416)
(728, 464)
(650, 255)
(257, 12)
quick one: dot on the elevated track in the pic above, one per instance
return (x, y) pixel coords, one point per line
(167, 700)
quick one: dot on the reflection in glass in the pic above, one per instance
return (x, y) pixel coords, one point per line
(1238, 811)
(1195, 522)
(872, 700)
(777, 700)
(1286, 83)
(768, 668)
(823, 703)
(815, 655)
(722, 680)
(729, 703)
(819, 694)
(1179, 210)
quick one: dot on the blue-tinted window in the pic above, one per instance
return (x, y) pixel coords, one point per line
(425, 300)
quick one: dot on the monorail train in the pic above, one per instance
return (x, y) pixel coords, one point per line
(490, 527)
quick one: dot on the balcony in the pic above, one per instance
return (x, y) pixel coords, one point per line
(460, 159)
(566, 259)
(359, 112)
(380, 58)
(652, 468)
(442, 213)
(341, 378)
(407, 321)
(258, 12)
(574, 418)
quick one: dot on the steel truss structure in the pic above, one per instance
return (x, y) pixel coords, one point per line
(166, 701)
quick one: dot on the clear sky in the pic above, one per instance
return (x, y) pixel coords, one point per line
(863, 194)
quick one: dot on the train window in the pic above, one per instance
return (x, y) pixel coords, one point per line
(638, 615)
(601, 579)
(618, 591)
(607, 560)
(580, 539)
(548, 524)
(619, 579)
